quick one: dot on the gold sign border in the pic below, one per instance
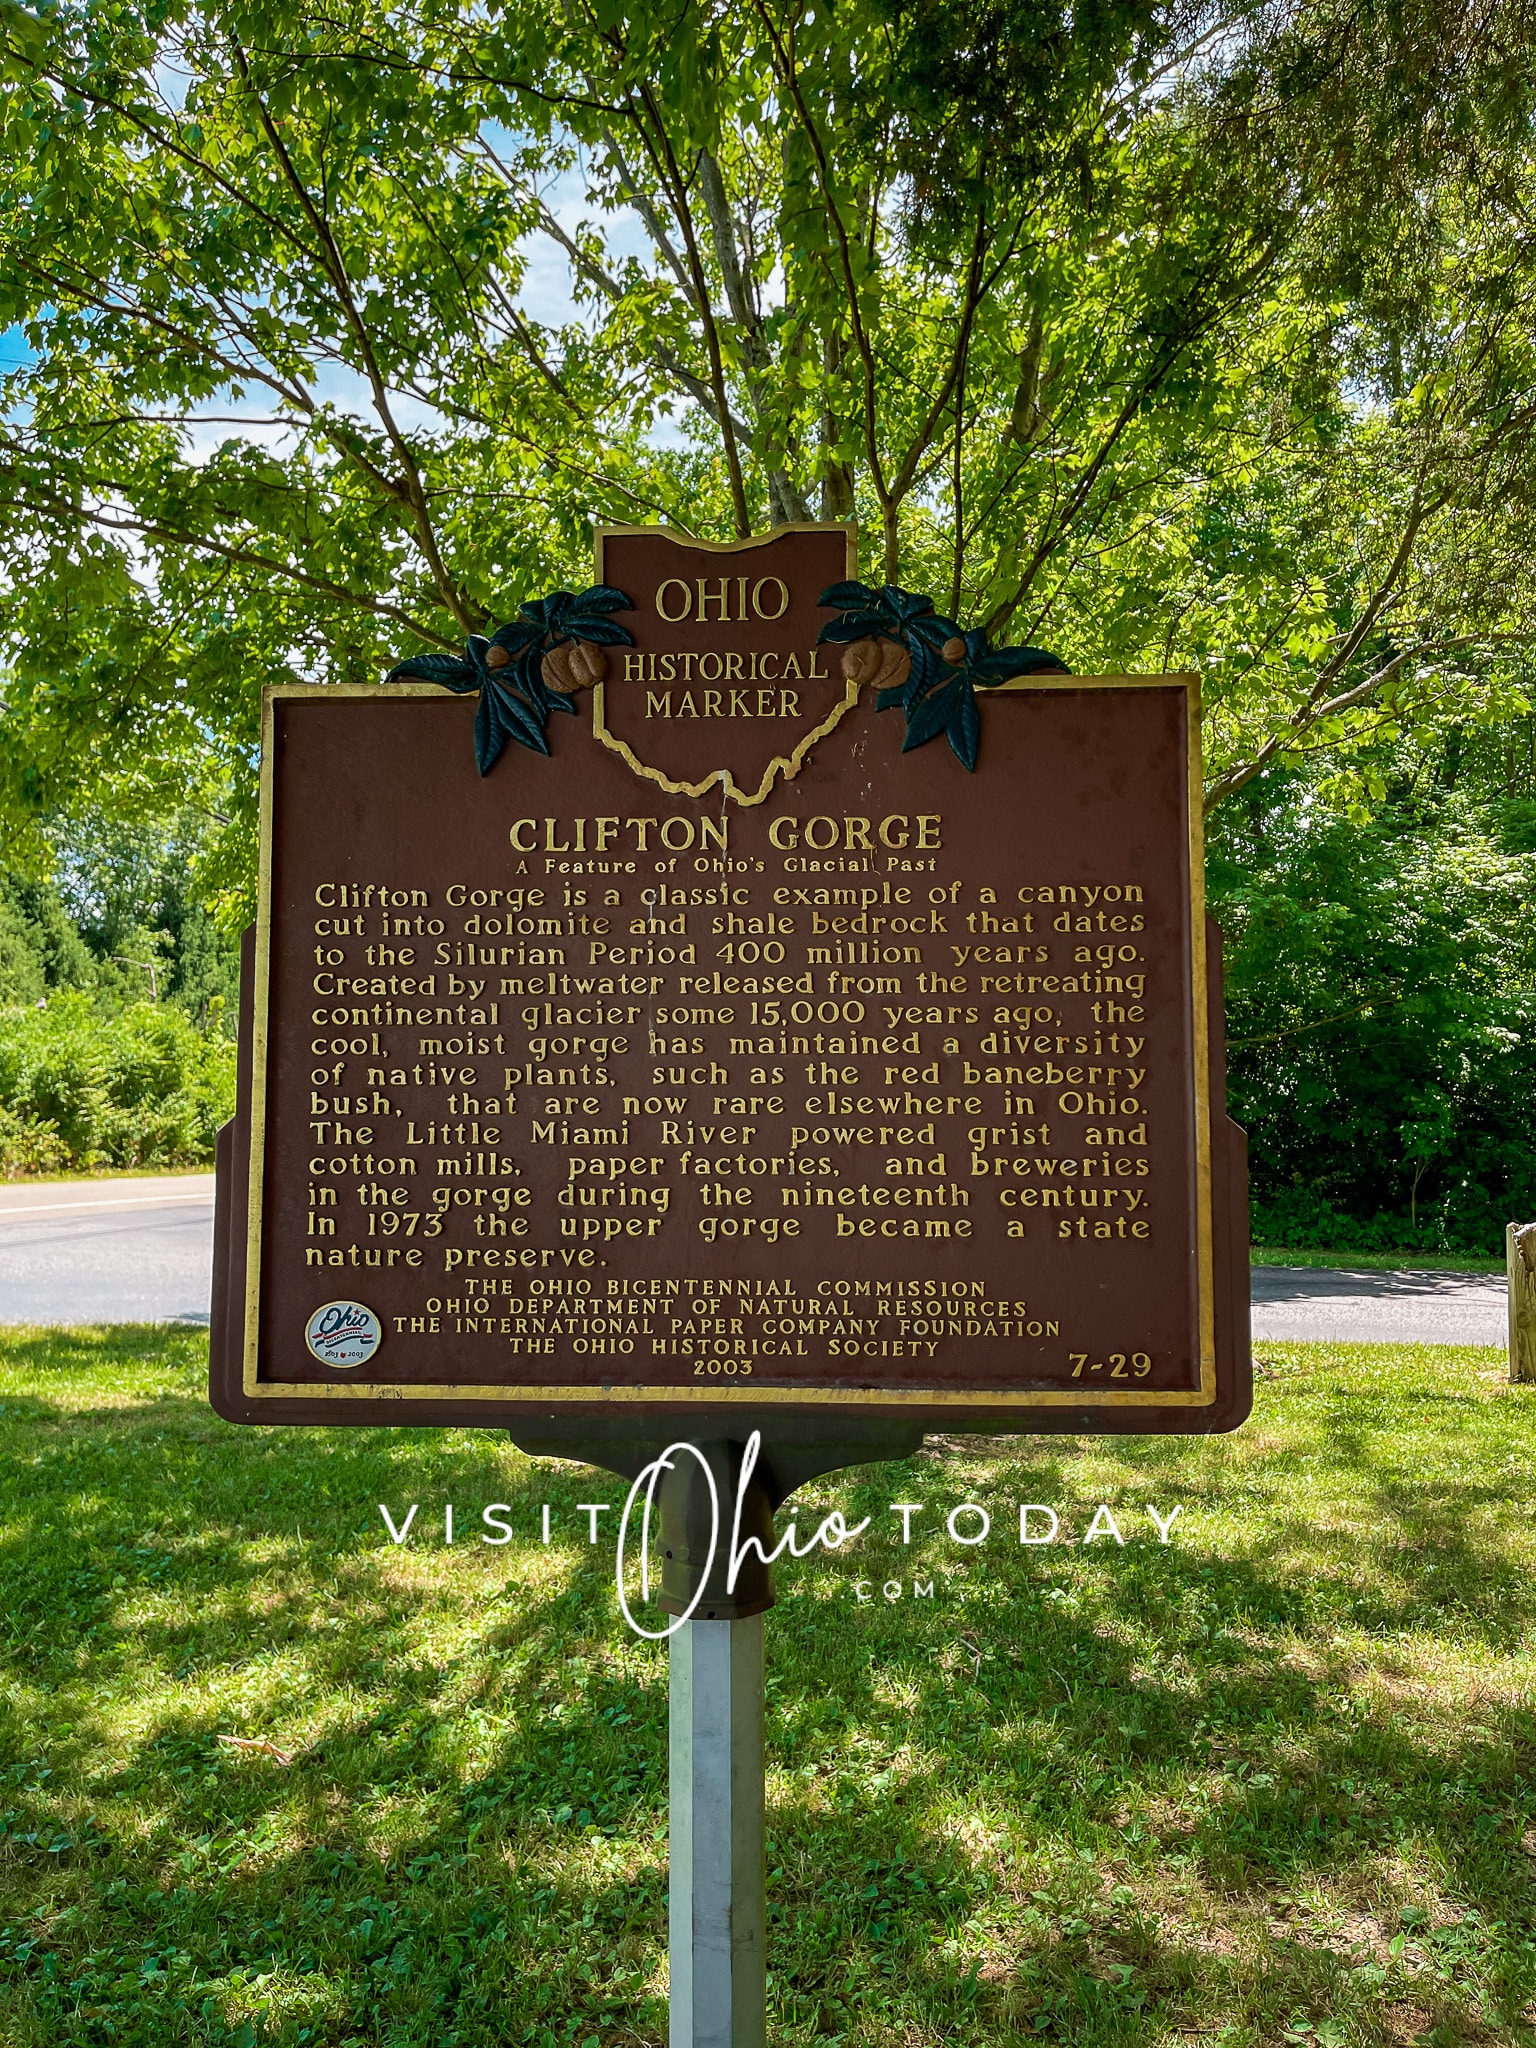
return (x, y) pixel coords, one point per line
(752, 1393)
(787, 765)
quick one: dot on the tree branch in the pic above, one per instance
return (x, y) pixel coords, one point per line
(694, 385)
(664, 158)
(787, 71)
(1068, 508)
(1312, 713)
(332, 263)
(787, 503)
(641, 201)
(47, 505)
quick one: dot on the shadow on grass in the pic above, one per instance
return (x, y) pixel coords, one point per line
(1087, 1795)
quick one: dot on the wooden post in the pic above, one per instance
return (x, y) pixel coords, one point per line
(1520, 1261)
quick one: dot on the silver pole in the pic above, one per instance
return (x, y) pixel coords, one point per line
(717, 1910)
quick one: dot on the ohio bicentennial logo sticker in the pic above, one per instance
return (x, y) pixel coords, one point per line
(343, 1333)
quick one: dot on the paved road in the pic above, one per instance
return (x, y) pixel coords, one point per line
(1321, 1305)
(118, 1251)
(107, 1251)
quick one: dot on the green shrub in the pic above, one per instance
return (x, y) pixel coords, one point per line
(29, 1147)
(1381, 1009)
(80, 1089)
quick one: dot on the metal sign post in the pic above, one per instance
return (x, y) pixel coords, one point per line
(715, 1509)
(717, 1904)
(717, 1908)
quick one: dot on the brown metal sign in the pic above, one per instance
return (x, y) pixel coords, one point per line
(732, 1063)
(725, 670)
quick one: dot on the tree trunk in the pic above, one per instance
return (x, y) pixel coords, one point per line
(1520, 1259)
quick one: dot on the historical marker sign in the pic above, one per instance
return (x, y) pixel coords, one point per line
(732, 1061)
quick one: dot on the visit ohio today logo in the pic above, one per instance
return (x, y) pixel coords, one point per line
(967, 1526)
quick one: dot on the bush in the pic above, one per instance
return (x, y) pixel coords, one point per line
(1304, 1221)
(28, 1147)
(82, 1090)
(1381, 1011)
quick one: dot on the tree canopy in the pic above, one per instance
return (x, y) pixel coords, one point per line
(1163, 335)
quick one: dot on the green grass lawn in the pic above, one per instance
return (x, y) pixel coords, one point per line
(1377, 1262)
(1268, 1784)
